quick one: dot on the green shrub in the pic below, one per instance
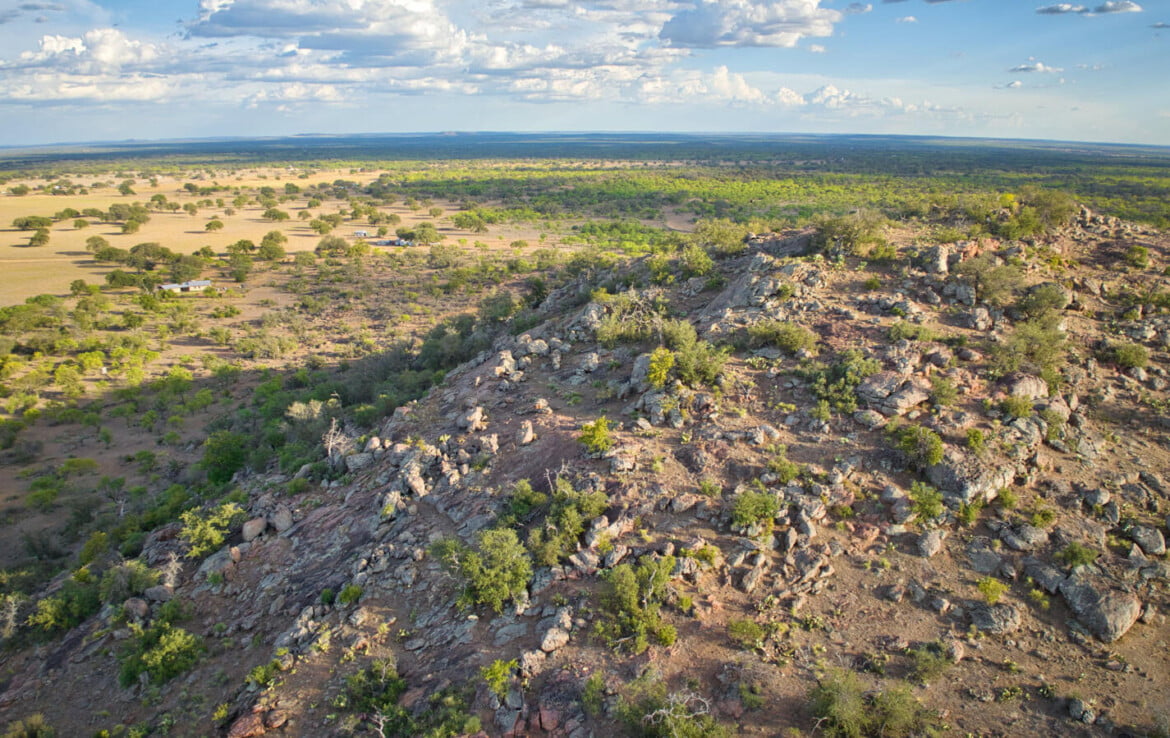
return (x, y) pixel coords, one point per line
(556, 536)
(837, 383)
(349, 594)
(1042, 300)
(786, 336)
(495, 572)
(745, 633)
(661, 362)
(1137, 256)
(1036, 346)
(77, 599)
(976, 440)
(922, 446)
(751, 507)
(1129, 355)
(854, 234)
(497, 674)
(928, 501)
(224, 453)
(695, 362)
(592, 694)
(943, 392)
(205, 532)
(1017, 407)
(994, 283)
(33, 726)
(928, 662)
(969, 513)
(126, 580)
(991, 588)
(910, 332)
(1076, 554)
(649, 710)
(595, 436)
(264, 676)
(162, 652)
(374, 691)
(784, 468)
(844, 709)
(632, 599)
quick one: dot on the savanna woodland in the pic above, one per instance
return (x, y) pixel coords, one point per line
(584, 435)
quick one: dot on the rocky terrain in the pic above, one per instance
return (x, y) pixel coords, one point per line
(954, 478)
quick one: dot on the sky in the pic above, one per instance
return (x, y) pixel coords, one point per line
(111, 70)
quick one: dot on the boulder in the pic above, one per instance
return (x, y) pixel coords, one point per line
(281, 518)
(890, 393)
(554, 638)
(253, 528)
(963, 477)
(1149, 539)
(930, 543)
(996, 619)
(1107, 612)
(1028, 386)
(357, 462)
(1024, 537)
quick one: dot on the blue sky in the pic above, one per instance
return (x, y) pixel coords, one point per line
(84, 70)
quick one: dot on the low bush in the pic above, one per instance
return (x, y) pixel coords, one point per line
(1017, 407)
(845, 709)
(494, 573)
(745, 633)
(161, 651)
(837, 383)
(922, 446)
(650, 710)
(632, 600)
(751, 507)
(1128, 355)
(1077, 554)
(786, 336)
(991, 588)
(556, 535)
(928, 501)
(595, 436)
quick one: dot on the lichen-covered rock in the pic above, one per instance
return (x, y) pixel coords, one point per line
(996, 619)
(1107, 612)
(963, 477)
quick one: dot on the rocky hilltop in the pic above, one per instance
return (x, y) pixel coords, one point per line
(927, 489)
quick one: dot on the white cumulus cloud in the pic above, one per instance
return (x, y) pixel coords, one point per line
(779, 23)
(1032, 65)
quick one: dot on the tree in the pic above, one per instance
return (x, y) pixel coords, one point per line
(80, 223)
(214, 225)
(96, 243)
(275, 215)
(239, 267)
(40, 238)
(271, 250)
(224, 454)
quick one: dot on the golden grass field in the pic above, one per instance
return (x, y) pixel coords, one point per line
(29, 271)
